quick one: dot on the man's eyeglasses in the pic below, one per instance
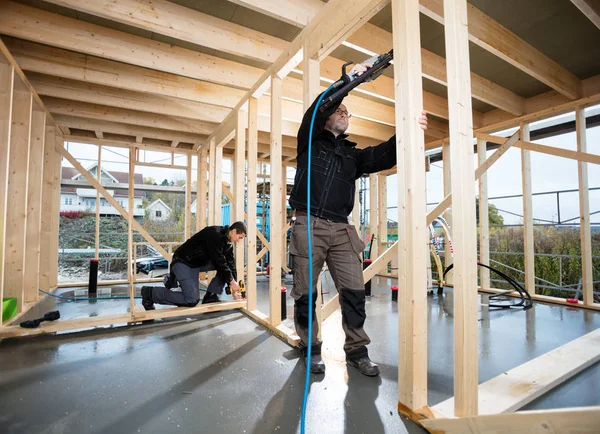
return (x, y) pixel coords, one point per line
(343, 112)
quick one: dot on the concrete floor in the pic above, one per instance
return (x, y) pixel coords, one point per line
(222, 373)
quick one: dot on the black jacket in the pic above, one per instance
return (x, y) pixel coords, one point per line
(211, 244)
(336, 165)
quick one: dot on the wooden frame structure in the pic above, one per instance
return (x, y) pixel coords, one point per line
(251, 113)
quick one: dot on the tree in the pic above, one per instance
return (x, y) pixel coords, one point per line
(149, 180)
(165, 182)
(494, 216)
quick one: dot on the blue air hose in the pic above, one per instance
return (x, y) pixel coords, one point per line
(310, 266)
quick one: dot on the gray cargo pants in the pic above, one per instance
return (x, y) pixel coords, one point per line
(339, 245)
(190, 287)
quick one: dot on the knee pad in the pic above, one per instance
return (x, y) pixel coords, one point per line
(301, 309)
(353, 307)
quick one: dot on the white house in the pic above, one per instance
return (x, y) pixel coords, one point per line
(158, 211)
(84, 199)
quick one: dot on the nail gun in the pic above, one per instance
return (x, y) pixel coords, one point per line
(350, 81)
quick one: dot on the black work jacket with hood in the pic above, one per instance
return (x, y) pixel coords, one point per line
(336, 165)
(211, 244)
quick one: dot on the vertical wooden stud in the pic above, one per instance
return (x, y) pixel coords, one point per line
(211, 182)
(412, 231)
(34, 204)
(53, 256)
(50, 157)
(484, 220)
(239, 185)
(99, 177)
(584, 211)
(16, 205)
(201, 189)
(527, 213)
(311, 69)
(188, 198)
(251, 294)
(130, 246)
(6, 99)
(463, 197)
(218, 185)
(373, 212)
(448, 213)
(382, 213)
(276, 207)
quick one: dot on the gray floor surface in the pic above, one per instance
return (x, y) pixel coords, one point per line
(222, 373)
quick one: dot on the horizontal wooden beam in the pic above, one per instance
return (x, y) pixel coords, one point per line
(377, 40)
(281, 331)
(517, 387)
(126, 129)
(36, 25)
(564, 420)
(122, 318)
(132, 117)
(372, 39)
(590, 8)
(498, 40)
(564, 153)
(74, 90)
(185, 24)
(90, 69)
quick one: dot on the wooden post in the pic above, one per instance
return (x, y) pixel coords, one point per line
(34, 205)
(412, 205)
(311, 69)
(99, 177)
(201, 190)
(529, 247)
(275, 205)
(130, 246)
(16, 205)
(447, 162)
(218, 185)
(59, 143)
(373, 208)
(584, 211)
(239, 185)
(484, 220)
(6, 99)
(188, 198)
(211, 182)
(284, 216)
(463, 198)
(252, 196)
(382, 213)
(50, 157)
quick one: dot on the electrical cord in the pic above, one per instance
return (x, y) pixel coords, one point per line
(310, 267)
(526, 301)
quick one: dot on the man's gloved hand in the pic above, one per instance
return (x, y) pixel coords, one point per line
(235, 290)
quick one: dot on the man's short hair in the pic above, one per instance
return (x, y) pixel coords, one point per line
(240, 228)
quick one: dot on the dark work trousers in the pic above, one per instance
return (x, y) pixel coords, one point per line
(190, 287)
(339, 245)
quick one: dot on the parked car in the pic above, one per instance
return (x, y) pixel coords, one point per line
(151, 266)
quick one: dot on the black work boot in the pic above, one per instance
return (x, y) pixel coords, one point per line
(147, 298)
(317, 366)
(210, 297)
(365, 366)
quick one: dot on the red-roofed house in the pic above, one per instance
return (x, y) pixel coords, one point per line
(84, 199)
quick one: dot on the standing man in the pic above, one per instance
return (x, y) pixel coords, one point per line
(336, 165)
(208, 250)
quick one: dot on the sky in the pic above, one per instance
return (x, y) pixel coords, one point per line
(549, 173)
